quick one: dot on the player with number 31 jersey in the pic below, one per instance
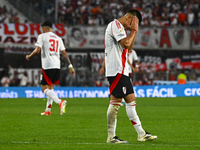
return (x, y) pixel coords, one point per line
(51, 46)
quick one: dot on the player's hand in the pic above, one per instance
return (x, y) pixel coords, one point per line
(71, 71)
(27, 57)
(136, 69)
(101, 71)
(133, 25)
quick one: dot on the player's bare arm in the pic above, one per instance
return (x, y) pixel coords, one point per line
(102, 69)
(128, 42)
(71, 69)
(133, 69)
(136, 65)
(35, 52)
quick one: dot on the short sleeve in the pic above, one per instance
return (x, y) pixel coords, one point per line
(39, 41)
(62, 47)
(118, 30)
(135, 57)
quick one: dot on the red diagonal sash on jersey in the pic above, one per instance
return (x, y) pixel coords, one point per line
(115, 82)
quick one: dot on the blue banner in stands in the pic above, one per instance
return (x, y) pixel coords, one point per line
(102, 92)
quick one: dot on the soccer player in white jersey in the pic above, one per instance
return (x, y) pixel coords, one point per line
(117, 46)
(132, 56)
(50, 46)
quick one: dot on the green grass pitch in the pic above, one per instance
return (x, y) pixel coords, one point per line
(176, 122)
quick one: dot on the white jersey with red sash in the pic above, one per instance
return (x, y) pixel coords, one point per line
(115, 55)
(51, 45)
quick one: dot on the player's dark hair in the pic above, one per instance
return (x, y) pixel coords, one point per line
(135, 12)
(47, 23)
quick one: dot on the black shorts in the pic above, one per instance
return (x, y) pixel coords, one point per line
(120, 86)
(50, 76)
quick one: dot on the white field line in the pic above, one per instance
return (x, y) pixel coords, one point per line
(27, 142)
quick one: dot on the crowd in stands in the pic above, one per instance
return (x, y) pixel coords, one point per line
(8, 16)
(101, 12)
(10, 76)
(14, 77)
(154, 12)
(149, 76)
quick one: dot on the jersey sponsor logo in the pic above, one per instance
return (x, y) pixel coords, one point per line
(120, 30)
(124, 90)
(52, 54)
(120, 35)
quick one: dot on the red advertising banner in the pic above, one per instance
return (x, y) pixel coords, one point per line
(195, 38)
(26, 34)
(163, 38)
(83, 37)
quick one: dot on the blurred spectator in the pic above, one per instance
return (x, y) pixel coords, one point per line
(16, 18)
(20, 72)
(11, 73)
(5, 80)
(70, 80)
(165, 17)
(192, 77)
(81, 78)
(173, 17)
(25, 21)
(172, 76)
(2, 17)
(24, 80)
(92, 20)
(197, 72)
(49, 10)
(105, 81)
(96, 10)
(182, 18)
(98, 83)
(147, 17)
(150, 73)
(190, 17)
(182, 77)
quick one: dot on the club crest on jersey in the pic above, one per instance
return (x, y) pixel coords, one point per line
(124, 90)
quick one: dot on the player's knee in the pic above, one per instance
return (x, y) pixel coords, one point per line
(44, 88)
(130, 98)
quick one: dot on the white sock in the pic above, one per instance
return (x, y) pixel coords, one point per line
(52, 95)
(112, 117)
(49, 104)
(132, 115)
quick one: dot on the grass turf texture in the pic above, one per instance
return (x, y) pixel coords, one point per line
(84, 126)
